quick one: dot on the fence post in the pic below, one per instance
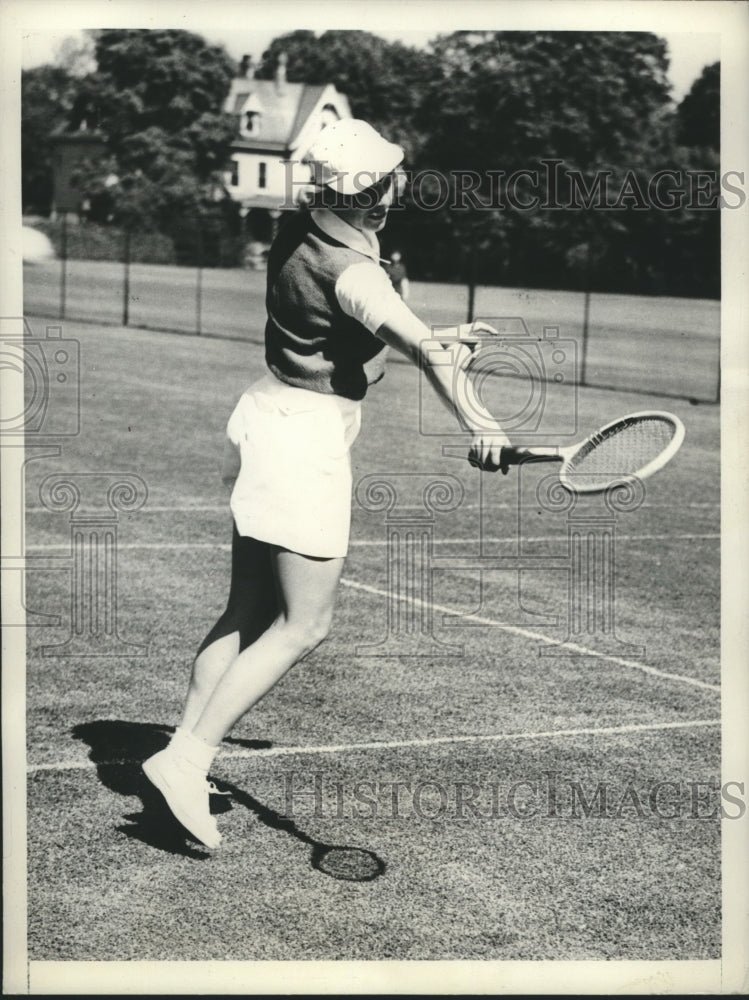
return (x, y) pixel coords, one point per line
(586, 317)
(275, 215)
(199, 285)
(64, 262)
(126, 282)
(584, 347)
(471, 279)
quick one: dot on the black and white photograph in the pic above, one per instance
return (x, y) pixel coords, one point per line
(374, 480)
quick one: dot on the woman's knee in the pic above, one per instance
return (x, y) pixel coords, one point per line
(306, 635)
(320, 630)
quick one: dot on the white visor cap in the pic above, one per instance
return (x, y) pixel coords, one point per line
(350, 156)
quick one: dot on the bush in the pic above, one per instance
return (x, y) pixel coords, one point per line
(214, 243)
(90, 241)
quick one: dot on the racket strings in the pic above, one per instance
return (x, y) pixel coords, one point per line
(625, 450)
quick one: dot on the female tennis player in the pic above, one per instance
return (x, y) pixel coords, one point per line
(332, 314)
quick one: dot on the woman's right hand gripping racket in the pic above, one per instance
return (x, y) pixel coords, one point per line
(633, 446)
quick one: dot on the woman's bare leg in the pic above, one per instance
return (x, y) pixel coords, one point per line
(307, 589)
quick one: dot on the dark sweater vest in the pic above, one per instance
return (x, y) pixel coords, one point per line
(310, 341)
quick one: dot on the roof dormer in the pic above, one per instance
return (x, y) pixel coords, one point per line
(328, 114)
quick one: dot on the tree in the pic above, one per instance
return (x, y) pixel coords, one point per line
(597, 102)
(48, 94)
(698, 115)
(512, 96)
(156, 96)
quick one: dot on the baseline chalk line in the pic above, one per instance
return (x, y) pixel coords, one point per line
(291, 751)
(382, 542)
(214, 508)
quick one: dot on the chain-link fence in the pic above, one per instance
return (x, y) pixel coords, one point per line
(210, 281)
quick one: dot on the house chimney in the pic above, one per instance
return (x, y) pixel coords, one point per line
(281, 72)
(246, 68)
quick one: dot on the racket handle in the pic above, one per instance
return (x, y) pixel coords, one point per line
(546, 453)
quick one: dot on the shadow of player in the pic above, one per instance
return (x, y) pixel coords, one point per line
(118, 749)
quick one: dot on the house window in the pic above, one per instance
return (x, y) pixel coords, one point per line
(261, 175)
(251, 122)
(235, 173)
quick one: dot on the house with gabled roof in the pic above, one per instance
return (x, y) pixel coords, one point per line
(277, 122)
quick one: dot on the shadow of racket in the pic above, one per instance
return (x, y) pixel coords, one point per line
(338, 861)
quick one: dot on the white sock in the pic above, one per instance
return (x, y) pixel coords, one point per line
(178, 736)
(196, 751)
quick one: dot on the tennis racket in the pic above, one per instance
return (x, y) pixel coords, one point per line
(633, 446)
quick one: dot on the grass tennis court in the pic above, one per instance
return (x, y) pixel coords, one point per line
(371, 814)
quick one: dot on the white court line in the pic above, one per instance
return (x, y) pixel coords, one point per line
(428, 741)
(527, 634)
(487, 505)
(375, 542)
(219, 546)
(548, 538)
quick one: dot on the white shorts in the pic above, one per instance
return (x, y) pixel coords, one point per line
(293, 486)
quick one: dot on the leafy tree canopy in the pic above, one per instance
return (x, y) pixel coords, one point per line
(698, 115)
(506, 97)
(156, 96)
(596, 101)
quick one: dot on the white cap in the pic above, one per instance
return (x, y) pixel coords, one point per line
(350, 155)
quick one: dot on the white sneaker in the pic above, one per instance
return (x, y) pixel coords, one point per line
(185, 789)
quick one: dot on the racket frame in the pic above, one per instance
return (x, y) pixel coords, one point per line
(566, 455)
(654, 465)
